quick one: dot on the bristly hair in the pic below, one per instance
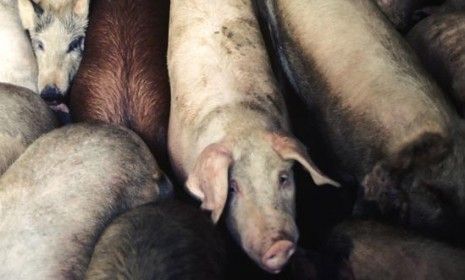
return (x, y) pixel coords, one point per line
(72, 23)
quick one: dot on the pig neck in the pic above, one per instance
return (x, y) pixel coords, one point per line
(243, 127)
(17, 62)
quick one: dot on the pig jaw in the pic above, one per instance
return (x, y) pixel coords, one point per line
(271, 244)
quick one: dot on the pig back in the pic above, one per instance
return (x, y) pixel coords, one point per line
(123, 78)
(378, 251)
(373, 100)
(439, 40)
(168, 240)
(23, 118)
(59, 195)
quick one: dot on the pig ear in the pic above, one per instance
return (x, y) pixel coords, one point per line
(209, 179)
(81, 8)
(29, 12)
(291, 149)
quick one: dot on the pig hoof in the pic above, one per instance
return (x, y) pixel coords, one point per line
(278, 255)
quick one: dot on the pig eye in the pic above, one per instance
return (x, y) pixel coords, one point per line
(76, 44)
(233, 187)
(38, 45)
(283, 179)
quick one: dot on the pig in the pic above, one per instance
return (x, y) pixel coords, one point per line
(167, 240)
(60, 194)
(228, 133)
(57, 30)
(403, 14)
(24, 117)
(18, 65)
(446, 6)
(377, 251)
(382, 115)
(123, 77)
(439, 40)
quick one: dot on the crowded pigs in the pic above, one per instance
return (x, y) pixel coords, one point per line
(284, 125)
(62, 192)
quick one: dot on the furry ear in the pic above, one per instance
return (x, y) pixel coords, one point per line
(208, 181)
(291, 149)
(81, 8)
(29, 12)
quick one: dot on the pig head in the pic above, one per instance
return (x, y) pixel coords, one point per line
(256, 174)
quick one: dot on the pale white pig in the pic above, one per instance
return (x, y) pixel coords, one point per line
(229, 128)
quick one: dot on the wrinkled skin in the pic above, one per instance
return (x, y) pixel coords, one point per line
(383, 118)
(139, 245)
(439, 41)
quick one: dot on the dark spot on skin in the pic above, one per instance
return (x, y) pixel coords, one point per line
(226, 32)
(216, 32)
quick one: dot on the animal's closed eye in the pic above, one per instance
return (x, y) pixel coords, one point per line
(38, 45)
(76, 44)
(233, 187)
(284, 179)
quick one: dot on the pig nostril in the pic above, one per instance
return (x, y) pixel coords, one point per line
(278, 255)
(51, 94)
(271, 257)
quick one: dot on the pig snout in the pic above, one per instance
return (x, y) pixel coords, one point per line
(278, 255)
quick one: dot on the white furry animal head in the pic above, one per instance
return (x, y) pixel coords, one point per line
(57, 37)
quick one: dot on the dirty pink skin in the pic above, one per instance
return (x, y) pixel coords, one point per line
(229, 137)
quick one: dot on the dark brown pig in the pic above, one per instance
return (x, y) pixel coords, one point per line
(57, 198)
(381, 252)
(229, 134)
(440, 42)
(123, 78)
(382, 116)
(163, 241)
